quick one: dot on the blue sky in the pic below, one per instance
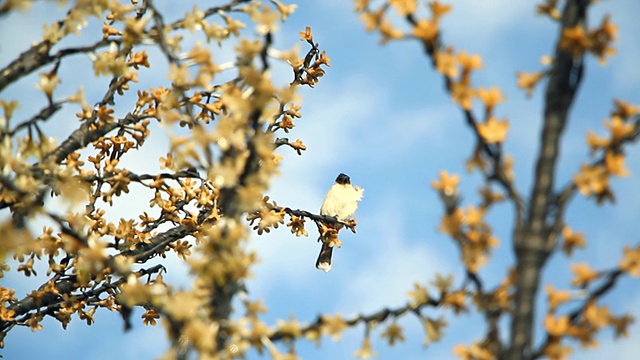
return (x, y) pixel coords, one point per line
(381, 116)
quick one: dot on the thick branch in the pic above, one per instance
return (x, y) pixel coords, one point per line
(533, 242)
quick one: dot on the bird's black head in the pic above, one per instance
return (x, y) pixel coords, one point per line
(343, 179)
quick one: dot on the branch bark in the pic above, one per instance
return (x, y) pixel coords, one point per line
(534, 243)
(38, 56)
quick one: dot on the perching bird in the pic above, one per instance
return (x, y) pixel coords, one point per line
(340, 202)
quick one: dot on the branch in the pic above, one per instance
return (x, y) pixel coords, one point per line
(81, 137)
(492, 151)
(157, 245)
(533, 242)
(318, 219)
(44, 115)
(371, 319)
(50, 302)
(38, 56)
(564, 195)
(610, 282)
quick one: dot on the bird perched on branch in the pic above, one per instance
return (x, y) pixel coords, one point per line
(340, 202)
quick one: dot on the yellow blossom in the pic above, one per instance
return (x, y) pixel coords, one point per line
(404, 7)
(469, 62)
(571, 240)
(393, 333)
(595, 142)
(575, 40)
(549, 8)
(419, 296)
(619, 128)
(591, 179)
(477, 160)
(490, 97)
(614, 163)
(361, 5)
(150, 317)
(289, 329)
(601, 39)
(285, 10)
(474, 352)
(631, 261)
(366, 351)
(507, 167)
(306, 34)
(585, 333)
(463, 94)
(48, 83)
(34, 322)
(254, 308)
(494, 131)
(425, 30)
(596, 316)
(433, 329)
(447, 62)
(473, 216)
(621, 324)
(388, 32)
(455, 300)
(448, 184)
(451, 223)
(624, 109)
(556, 326)
(443, 283)
(333, 326)
(528, 81)
(489, 196)
(556, 297)
(372, 20)
(583, 275)
(554, 350)
(437, 9)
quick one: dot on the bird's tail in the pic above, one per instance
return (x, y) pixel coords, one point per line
(324, 258)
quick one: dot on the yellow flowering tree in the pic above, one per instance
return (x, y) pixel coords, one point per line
(539, 216)
(223, 121)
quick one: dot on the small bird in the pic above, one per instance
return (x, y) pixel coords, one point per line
(340, 202)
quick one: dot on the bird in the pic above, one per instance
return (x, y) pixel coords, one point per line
(340, 202)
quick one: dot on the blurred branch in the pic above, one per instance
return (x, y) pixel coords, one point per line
(369, 319)
(45, 114)
(608, 284)
(157, 245)
(533, 243)
(492, 151)
(84, 135)
(50, 301)
(565, 194)
(38, 56)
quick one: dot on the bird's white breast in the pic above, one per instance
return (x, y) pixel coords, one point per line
(341, 201)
